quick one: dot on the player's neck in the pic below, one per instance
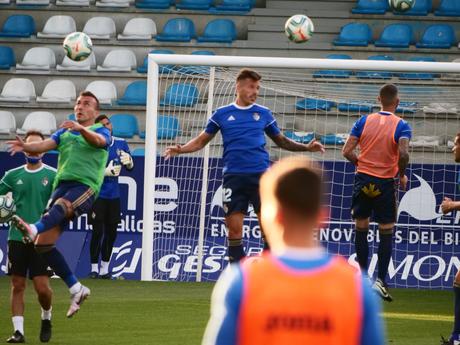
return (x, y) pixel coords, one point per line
(300, 238)
(87, 123)
(34, 166)
(388, 109)
(241, 103)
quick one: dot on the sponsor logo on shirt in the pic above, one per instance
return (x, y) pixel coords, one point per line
(256, 116)
(231, 118)
(19, 182)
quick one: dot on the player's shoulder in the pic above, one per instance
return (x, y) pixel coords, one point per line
(260, 107)
(118, 140)
(49, 169)
(225, 108)
(15, 171)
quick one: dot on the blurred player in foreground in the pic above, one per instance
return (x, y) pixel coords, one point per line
(243, 125)
(82, 147)
(297, 293)
(383, 139)
(448, 205)
(31, 186)
(105, 215)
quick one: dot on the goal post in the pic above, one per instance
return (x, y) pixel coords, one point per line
(180, 195)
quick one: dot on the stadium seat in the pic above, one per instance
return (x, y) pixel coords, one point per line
(135, 94)
(124, 125)
(138, 152)
(396, 36)
(113, 3)
(376, 74)
(101, 28)
(419, 75)
(71, 117)
(80, 66)
(180, 94)
(193, 4)
(220, 31)
(38, 58)
(196, 69)
(43, 121)
(314, 104)
(370, 7)
(104, 90)
(441, 108)
(448, 8)
(358, 106)
(58, 91)
(354, 34)
(18, 90)
(118, 60)
(437, 36)
(334, 73)
(167, 127)
(32, 2)
(300, 137)
(233, 6)
(163, 68)
(58, 27)
(18, 25)
(420, 8)
(7, 122)
(4, 2)
(426, 141)
(407, 107)
(177, 30)
(331, 139)
(153, 4)
(138, 29)
(7, 58)
(79, 3)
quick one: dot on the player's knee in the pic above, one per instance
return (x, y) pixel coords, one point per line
(18, 286)
(43, 248)
(66, 205)
(43, 290)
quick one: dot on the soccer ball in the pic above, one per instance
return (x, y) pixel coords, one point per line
(299, 28)
(7, 208)
(77, 46)
(401, 5)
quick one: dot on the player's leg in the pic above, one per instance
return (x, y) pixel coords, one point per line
(112, 219)
(97, 222)
(234, 223)
(455, 336)
(254, 198)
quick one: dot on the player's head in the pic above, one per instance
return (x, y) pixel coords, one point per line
(86, 108)
(456, 148)
(247, 86)
(105, 121)
(30, 137)
(388, 97)
(291, 195)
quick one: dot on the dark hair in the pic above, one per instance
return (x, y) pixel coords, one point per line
(388, 94)
(34, 132)
(247, 73)
(101, 117)
(90, 94)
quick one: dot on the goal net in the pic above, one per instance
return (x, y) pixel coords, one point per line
(184, 232)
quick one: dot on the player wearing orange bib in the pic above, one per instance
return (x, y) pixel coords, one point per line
(288, 296)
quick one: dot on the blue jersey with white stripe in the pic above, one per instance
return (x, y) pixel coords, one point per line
(243, 132)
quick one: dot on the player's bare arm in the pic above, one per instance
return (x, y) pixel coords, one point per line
(290, 145)
(91, 137)
(403, 147)
(348, 150)
(193, 145)
(18, 145)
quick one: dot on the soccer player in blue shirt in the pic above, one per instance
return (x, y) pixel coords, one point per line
(243, 125)
(105, 215)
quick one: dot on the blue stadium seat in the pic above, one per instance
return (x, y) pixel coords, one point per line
(71, 117)
(234, 6)
(334, 73)
(177, 30)
(354, 34)
(370, 7)
(153, 4)
(180, 94)
(419, 76)
(376, 74)
(407, 107)
(356, 106)
(437, 36)
(396, 36)
(300, 137)
(138, 152)
(18, 25)
(450, 8)
(193, 4)
(135, 94)
(196, 69)
(7, 58)
(331, 139)
(420, 8)
(314, 104)
(219, 30)
(163, 68)
(167, 127)
(124, 125)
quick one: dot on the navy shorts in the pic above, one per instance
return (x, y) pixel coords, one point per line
(374, 196)
(240, 190)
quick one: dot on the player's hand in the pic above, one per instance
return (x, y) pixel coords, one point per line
(126, 159)
(315, 146)
(172, 151)
(15, 146)
(112, 169)
(447, 205)
(403, 182)
(72, 125)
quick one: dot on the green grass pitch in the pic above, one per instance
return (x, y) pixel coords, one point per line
(128, 312)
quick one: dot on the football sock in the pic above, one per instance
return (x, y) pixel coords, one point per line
(456, 309)
(50, 219)
(384, 254)
(75, 288)
(362, 248)
(59, 266)
(18, 323)
(104, 268)
(235, 250)
(46, 314)
(95, 268)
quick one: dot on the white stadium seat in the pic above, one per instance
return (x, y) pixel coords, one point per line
(113, 3)
(38, 58)
(82, 66)
(139, 29)
(58, 27)
(42, 121)
(58, 91)
(18, 90)
(33, 2)
(7, 122)
(102, 28)
(104, 90)
(118, 60)
(440, 108)
(80, 3)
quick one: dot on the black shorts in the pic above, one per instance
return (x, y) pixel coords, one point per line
(374, 196)
(240, 190)
(23, 260)
(106, 211)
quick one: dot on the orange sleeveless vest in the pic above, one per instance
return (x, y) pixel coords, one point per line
(379, 152)
(285, 306)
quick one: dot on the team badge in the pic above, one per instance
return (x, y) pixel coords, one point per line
(45, 181)
(256, 116)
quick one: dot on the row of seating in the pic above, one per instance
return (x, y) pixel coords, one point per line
(448, 8)
(397, 36)
(175, 30)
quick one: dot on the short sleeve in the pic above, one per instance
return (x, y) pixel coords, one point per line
(212, 127)
(56, 136)
(5, 184)
(105, 133)
(358, 127)
(403, 130)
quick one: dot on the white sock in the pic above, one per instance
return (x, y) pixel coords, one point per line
(75, 288)
(46, 314)
(18, 323)
(94, 268)
(34, 229)
(104, 268)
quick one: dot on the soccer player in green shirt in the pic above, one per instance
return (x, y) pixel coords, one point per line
(31, 187)
(82, 147)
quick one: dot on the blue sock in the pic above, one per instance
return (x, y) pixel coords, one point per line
(384, 254)
(235, 250)
(362, 248)
(456, 330)
(57, 262)
(50, 219)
